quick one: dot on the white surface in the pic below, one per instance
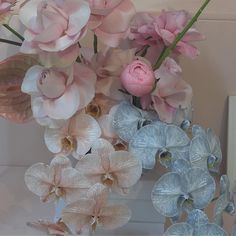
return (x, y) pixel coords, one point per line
(18, 206)
(231, 161)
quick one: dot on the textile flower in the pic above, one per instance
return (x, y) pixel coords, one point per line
(95, 212)
(53, 25)
(58, 93)
(128, 120)
(75, 137)
(138, 78)
(169, 24)
(171, 92)
(106, 14)
(197, 225)
(158, 140)
(205, 150)
(119, 170)
(174, 192)
(57, 180)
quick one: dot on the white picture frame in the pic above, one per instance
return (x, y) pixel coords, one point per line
(231, 146)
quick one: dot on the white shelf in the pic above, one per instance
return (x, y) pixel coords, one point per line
(18, 206)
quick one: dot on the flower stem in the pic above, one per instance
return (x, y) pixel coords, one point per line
(95, 44)
(14, 32)
(180, 36)
(10, 42)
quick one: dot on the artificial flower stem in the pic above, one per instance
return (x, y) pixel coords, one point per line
(180, 36)
(10, 42)
(95, 44)
(14, 32)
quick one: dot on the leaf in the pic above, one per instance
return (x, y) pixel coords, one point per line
(14, 104)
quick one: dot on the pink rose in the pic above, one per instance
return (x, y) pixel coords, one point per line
(106, 15)
(57, 94)
(53, 25)
(138, 78)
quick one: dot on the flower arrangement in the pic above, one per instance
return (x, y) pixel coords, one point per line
(117, 107)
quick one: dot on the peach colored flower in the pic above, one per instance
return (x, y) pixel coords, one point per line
(106, 15)
(57, 94)
(95, 212)
(58, 180)
(171, 92)
(75, 137)
(118, 170)
(53, 25)
(138, 78)
(15, 105)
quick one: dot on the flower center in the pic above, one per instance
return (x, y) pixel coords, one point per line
(58, 191)
(68, 144)
(52, 83)
(108, 179)
(120, 146)
(93, 110)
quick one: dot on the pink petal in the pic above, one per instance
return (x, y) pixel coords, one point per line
(112, 217)
(65, 106)
(78, 213)
(86, 130)
(127, 168)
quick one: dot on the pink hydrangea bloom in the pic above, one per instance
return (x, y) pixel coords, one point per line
(53, 25)
(171, 92)
(106, 14)
(58, 93)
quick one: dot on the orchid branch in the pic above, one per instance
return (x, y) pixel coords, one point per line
(14, 32)
(167, 51)
(10, 42)
(95, 44)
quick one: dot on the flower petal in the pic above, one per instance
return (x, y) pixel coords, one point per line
(180, 229)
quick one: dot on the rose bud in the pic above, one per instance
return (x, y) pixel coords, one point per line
(138, 78)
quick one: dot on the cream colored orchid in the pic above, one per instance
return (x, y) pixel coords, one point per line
(95, 212)
(75, 137)
(118, 170)
(57, 180)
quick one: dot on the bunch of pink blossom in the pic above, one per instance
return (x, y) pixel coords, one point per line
(75, 92)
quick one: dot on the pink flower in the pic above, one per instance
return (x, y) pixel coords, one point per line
(106, 15)
(58, 93)
(108, 67)
(57, 180)
(138, 78)
(169, 24)
(9, 8)
(95, 212)
(171, 92)
(118, 170)
(76, 137)
(53, 25)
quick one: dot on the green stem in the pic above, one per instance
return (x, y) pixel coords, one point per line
(180, 36)
(95, 44)
(14, 32)
(10, 42)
